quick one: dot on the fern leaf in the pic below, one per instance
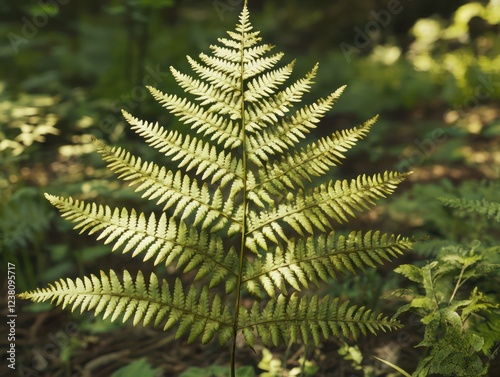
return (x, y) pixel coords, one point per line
(254, 67)
(289, 319)
(313, 161)
(315, 259)
(224, 132)
(175, 190)
(266, 85)
(411, 272)
(190, 152)
(166, 240)
(129, 298)
(236, 211)
(227, 67)
(279, 138)
(483, 207)
(264, 113)
(221, 101)
(217, 79)
(315, 209)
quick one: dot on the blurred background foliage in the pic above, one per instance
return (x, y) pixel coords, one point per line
(430, 67)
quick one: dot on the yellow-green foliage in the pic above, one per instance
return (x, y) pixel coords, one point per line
(457, 329)
(462, 324)
(243, 210)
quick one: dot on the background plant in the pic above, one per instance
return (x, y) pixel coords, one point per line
(458, 305)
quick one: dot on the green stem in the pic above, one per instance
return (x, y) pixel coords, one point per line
(304, 360)
(400, 370)
(287, 353)
(245, 205)
(457, 285)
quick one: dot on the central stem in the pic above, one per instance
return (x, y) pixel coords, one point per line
(245, 204)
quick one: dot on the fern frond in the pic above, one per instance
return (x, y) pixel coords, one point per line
(243, 28)
(483, 207)
(153, 302)
(218, 79)
(222, 102)
(266, 85)
(190, 152)
(313, 161)
(176, 190)
(315, 208)
(225, 132)
(278, 139)
(165, 240)
(289, 319)
(254, 67)
(224, 66)
(260, 115)
(236, 211)
(315, 259)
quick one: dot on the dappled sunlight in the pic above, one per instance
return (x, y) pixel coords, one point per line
(459, 29)
(426, 32)
(458, 50)
(26, 121)
(475, 120)
(484, 157)
(80, 145)
(387, 55)
(435, 172)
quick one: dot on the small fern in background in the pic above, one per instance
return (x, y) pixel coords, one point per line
(24, 219)
(490, 210)
(245, 211)
(467, 215)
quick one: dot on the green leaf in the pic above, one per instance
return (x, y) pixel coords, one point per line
(411, 272)
(425, 303)
(393, 366)
(477, 302)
